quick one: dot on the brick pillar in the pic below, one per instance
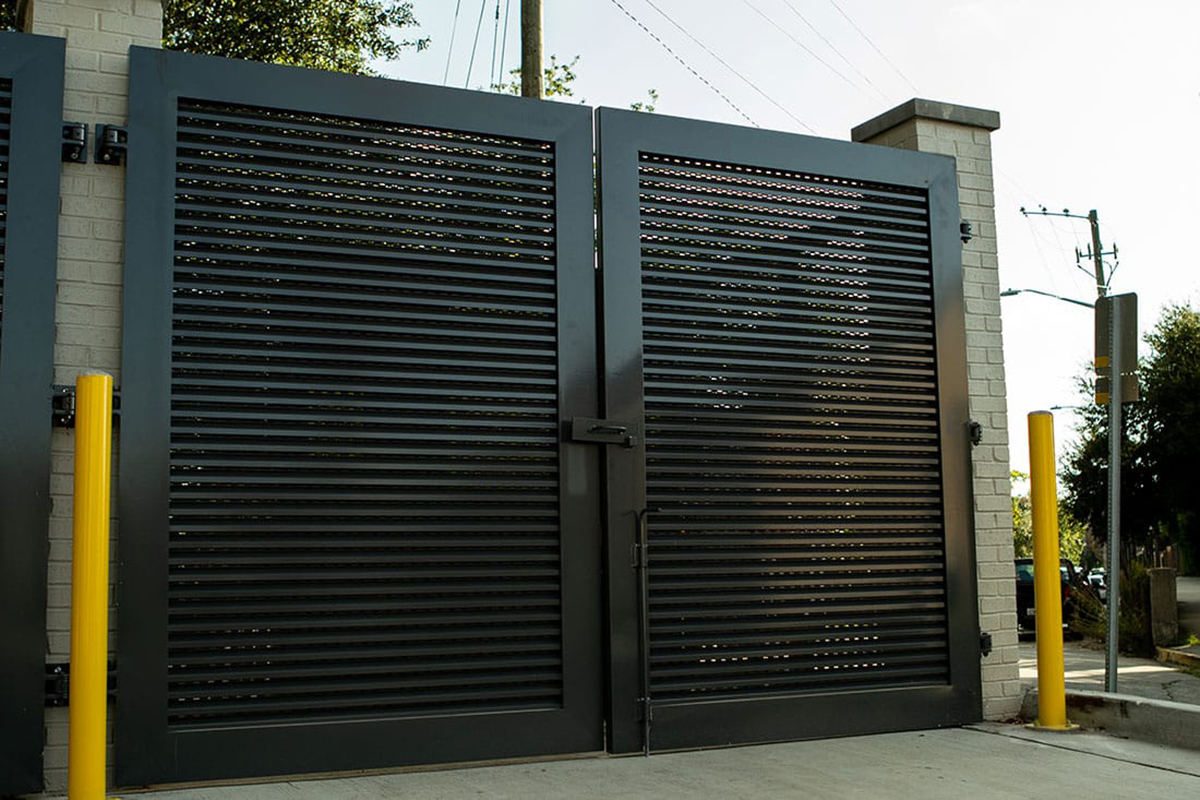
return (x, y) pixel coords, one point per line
(91, 223)
(965, 134)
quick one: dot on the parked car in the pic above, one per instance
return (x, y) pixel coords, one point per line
(1071, 583)
(1097, 580)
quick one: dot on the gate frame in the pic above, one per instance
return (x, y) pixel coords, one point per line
(146, 750)
(620, 137)
(35, 66)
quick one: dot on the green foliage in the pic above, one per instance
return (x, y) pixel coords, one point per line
(556, 79)
(1072, 534)
(1022, 520)
(1161, 435)
(1090, 617)
(1171, 428)
(339, 35)
(648, 105)
(8, 15)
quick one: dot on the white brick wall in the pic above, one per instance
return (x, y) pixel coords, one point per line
(972, 150)
(91, 222)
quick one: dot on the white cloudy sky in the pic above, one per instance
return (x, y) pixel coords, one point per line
(1099, 104)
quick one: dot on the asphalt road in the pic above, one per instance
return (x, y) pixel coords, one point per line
(1188, 594)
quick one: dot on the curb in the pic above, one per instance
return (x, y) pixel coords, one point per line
(1158, 721)
(1174, 656)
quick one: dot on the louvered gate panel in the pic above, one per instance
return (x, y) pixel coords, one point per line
(795, 449)
(791, 433)
(365, 519)
(31, 85)
(364, 499)
(5, 128)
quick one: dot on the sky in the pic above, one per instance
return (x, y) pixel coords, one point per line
(1099, 103)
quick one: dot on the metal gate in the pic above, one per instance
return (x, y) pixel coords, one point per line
(360, 482)
(357, 313)
(31, 86)
(783, 320)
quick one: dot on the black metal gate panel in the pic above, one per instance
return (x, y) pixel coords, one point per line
(783, 320)
(358, 313)
(31, 87)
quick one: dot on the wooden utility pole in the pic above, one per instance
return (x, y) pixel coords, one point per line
(531, 48)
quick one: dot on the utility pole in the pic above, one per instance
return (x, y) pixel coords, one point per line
(1097, 255)
(531, 48)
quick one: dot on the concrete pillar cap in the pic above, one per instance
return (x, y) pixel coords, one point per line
(918, 108)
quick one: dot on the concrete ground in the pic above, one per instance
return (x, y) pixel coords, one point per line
(1084, 670)
(989, 760)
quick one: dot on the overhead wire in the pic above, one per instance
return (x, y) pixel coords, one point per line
(475, 43)
(685, 65)
(833, 47)
(727, 66)
(863, 34)
(503, 45)
(495, 33)
(803, 46)
(450, 48)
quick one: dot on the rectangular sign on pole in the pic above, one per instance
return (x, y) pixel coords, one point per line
(1126, 305)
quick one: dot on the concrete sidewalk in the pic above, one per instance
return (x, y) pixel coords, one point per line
(1084, 670)
(987, 761)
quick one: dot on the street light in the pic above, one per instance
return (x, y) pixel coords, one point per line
(1011, 292)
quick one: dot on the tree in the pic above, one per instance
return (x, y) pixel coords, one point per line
(1072, 534)
(339, 35)
(1159, 501)
(8, 15)
(1172, 426)
(557, 83)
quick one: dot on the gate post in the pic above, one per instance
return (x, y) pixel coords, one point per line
(91, 227)
(965, 134)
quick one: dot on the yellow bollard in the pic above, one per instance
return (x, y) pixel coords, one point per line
(89, 587)
(1047, 588)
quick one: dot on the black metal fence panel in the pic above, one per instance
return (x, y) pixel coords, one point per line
(31, 88)
(358, 313)
(783, 319)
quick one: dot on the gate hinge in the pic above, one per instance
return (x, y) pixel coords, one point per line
(636, 560)
(985, 643)
(62, 401)
(964, 231)
(975, 432)
(58, 683)
(644, 710)
(112, 144)
(603, 431)
(74, 142)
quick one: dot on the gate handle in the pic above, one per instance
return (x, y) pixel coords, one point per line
(609, 430)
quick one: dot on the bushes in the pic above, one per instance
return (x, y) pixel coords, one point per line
(1089, 617)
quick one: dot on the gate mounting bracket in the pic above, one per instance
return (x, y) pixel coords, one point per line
(62, 401)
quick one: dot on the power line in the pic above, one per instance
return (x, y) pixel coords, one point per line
(503, 45)
(495, 33)
(475, 42)
(686, 65)
(450, 49)
(802, 46)
(863, 34)
(833, 47)
(725, 64)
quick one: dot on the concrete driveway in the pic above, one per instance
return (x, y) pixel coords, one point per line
(988, 761)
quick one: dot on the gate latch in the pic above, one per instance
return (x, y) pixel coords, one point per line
(603, 431)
